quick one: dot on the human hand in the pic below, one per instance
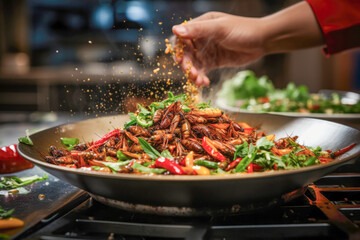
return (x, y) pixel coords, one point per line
(222, 40)
(216, 40)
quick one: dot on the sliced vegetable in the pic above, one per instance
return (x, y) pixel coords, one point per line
(201, 170)
(166, 154)
(310, 161)
(11, 161)
(26, 140)
(241, 150)
(189, 159)
(144, 169)
(121, 156)
(152, 152)
(15, 182)
(5, 214)
(172, 167)
(211, 150)
(344, 150)
(106, 137)
(69, 142)
(246, 160)
(264, 144)
(118, 166)
(208, 164)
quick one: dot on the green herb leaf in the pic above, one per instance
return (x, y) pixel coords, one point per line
(264, 144)
(241, 150)
(247, 159)
(166, 154)
(203, 106)
(148, 149)
(311, 161)
(117, 166)
(144, 121)
(131, 123)
(121, 156)
(205, 163)
(4, 236)
(26, 140)
(185, 108)
(14, 182)
(69, 142)
(144, 169)
(5, 214)
(96, 168)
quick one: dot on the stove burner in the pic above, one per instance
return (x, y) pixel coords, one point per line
(193, 212)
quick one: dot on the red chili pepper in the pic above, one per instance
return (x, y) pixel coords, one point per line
(182, 162)
(275, 166)
(344, 150)
(172, 167)
(250, 168)
(325, 159)
(248, 130)
(233, 164)
(81, 161)
(105, 138)
(211, 150)
(11, 161)
(256, 167)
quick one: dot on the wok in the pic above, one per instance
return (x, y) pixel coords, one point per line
(197, 191)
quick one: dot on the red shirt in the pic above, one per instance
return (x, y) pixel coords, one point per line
(339, 21)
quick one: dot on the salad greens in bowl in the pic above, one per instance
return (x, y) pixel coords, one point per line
(248, 93)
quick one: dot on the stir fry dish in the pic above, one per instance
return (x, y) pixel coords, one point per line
(250, 93)
(180, 138)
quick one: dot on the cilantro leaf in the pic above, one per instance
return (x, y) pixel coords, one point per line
(264, 144)
(241, 150)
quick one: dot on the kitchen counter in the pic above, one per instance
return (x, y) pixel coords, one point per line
(42, 199)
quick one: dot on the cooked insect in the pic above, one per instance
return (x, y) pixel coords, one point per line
(176, 137)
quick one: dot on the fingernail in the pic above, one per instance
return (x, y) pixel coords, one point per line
(180, 30)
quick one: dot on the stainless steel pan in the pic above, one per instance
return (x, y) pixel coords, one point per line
(198, 191)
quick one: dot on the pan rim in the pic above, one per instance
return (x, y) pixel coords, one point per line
(146, 177)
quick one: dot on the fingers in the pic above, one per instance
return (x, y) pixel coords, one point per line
(188, 66)
(194, 30)
(208, 16)
(202, 80)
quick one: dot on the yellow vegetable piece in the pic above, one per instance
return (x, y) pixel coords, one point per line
(11, 223)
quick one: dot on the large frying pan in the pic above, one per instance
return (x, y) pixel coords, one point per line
(198, 191)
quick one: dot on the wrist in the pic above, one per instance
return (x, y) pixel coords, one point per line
(291, 29)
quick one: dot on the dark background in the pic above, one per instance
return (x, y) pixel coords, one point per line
(98, 56)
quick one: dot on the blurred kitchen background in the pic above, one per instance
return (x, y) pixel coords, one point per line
(84, 57)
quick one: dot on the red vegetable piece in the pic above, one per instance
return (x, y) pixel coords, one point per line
(11, 161)
(211, 150)
(275, 166)
(257, 167)
(250, 168)
(325, 159)
(248, 130)
(344, 150)
(233, 164)
(105, 138)
(172, 167)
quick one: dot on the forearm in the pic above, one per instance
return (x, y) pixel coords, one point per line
(290, 29)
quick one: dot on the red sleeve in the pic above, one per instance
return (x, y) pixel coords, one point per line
(340, 23)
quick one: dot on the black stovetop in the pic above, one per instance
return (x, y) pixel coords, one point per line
(328, 209)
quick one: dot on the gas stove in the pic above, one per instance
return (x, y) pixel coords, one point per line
(327, 209)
